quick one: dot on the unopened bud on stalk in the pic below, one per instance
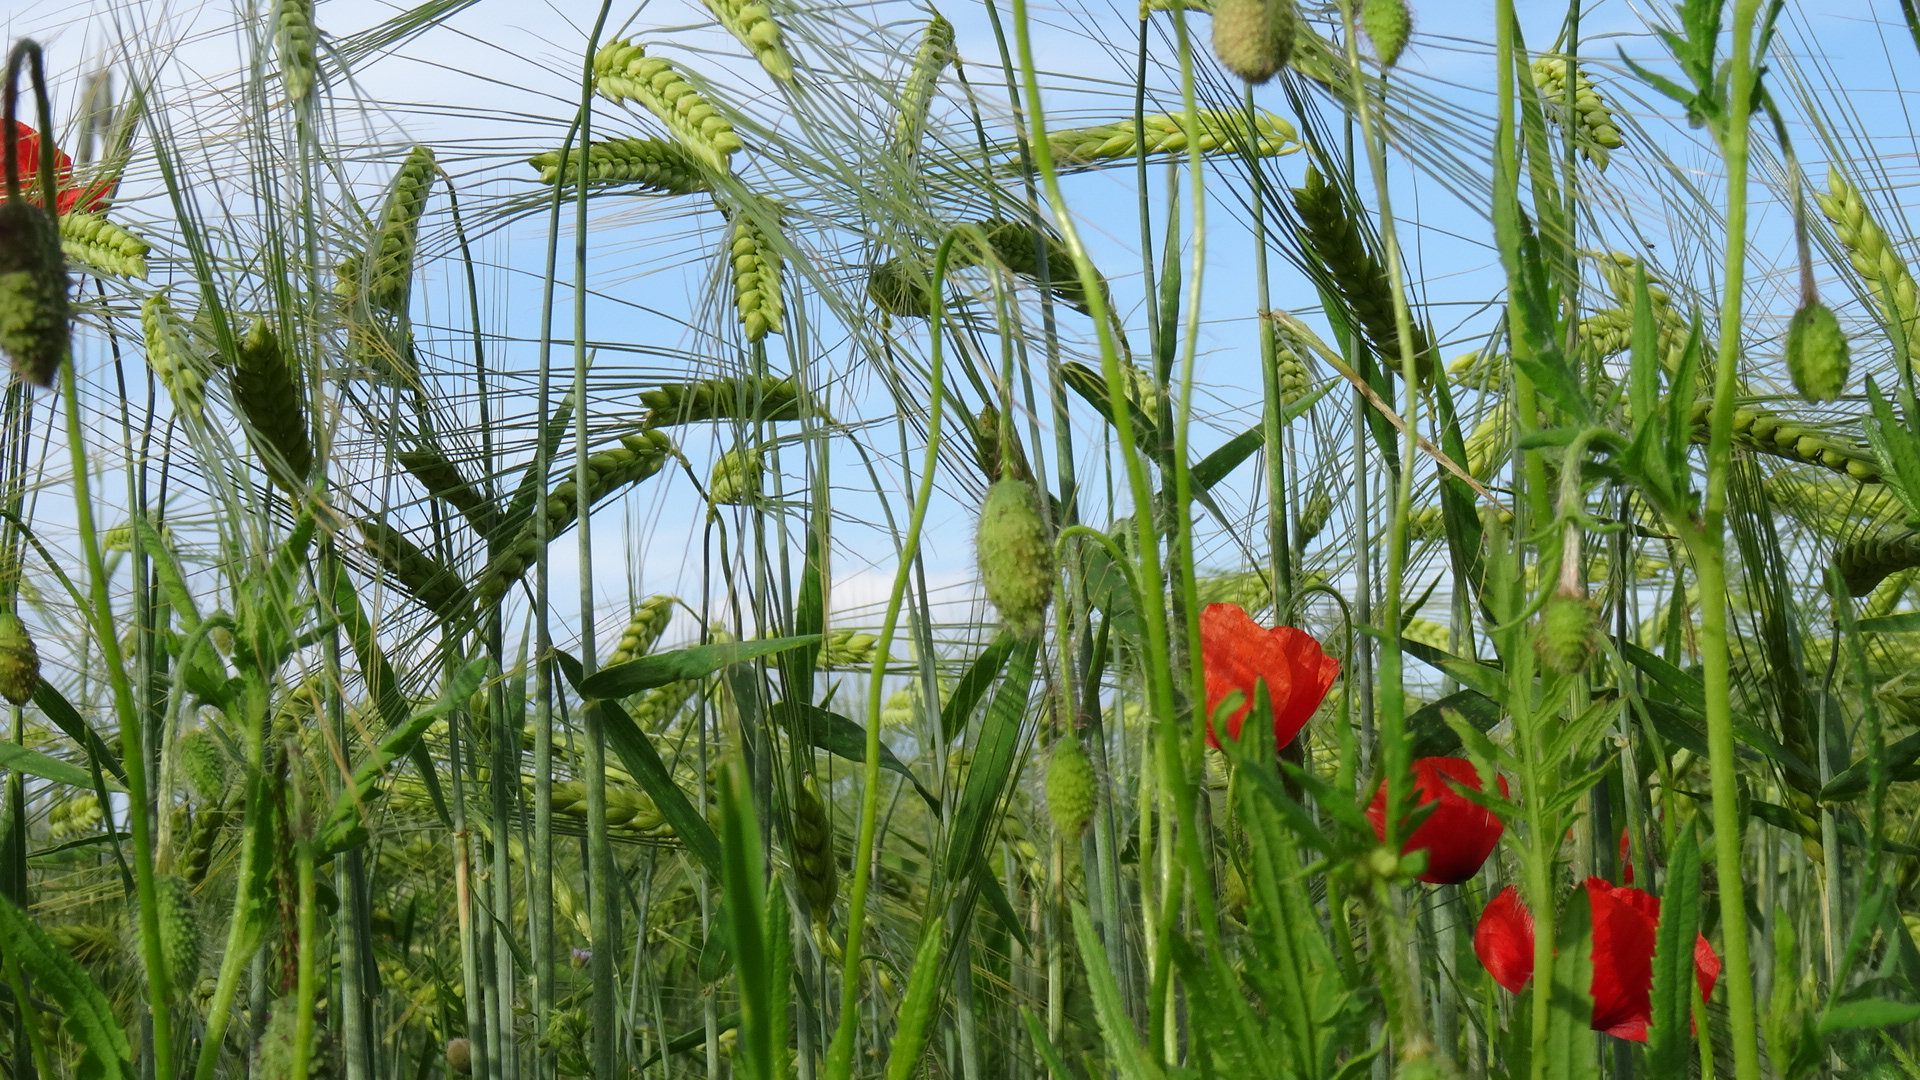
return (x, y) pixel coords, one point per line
(1254, 38)
(33, 291)
(19, 660)
(1070, 788)
(1569, 626)
(1016, 559)
(1388, 24)
(1817, 355)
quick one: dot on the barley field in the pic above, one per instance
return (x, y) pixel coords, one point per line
(1226, 539)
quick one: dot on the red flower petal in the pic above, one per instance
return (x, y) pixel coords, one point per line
(1459, 834)
(1504, 940)
(1706, 965)
(1623, 936)
(69, 198)
(1238, 654)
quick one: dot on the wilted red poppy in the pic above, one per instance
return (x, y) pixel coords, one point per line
(1459, 834)
(1238, 653)
(1624, 920)
(89, 199)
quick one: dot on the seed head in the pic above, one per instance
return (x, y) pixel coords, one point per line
(19, 660)
(1070, 788)
(1817, 355)
(33, 291)
(1016, 559)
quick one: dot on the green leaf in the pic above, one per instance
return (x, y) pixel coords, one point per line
(1215, 467)
(659, 669)
(845, 738)
(89, 1019)
(994, 755)
(1049, 1053)
(1867, 1013)
(343, 827)
(1897, 448)
(1570, 1043)
(34, 763)
(1891, 624)
(743, 883)
(67, 718)
(1123, 1043)
(975, 683)
(1431, 734)
(996, 897)
(1671, 679)
(1853, 780)
(917, 1008)
(1669, 1035)
(643, 763)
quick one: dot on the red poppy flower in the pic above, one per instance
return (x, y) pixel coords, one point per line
(1238, 653)
(1624, 920)
(89, 199)
(1459, 834)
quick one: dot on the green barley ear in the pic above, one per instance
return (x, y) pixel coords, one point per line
(1388, 24)
(753, 24)
(923, 78)
(1017, 245)
(1070, 788)
(636, 458)
(19, 660)
(101, 245)
(420, 574)
(173, 355)
(442, 480)
(1874, 258)
(34, 311)
(1254, 38)
(643, 630)
(722, 399)
(815, 869)
(901, 287)
(623, 71)
(196, 855)
(1864, 563)
(263, 388)
(390, 282)
(1292, 371)
(655, 165)
(1016, 559)
(294, 39)
(1817, 355)
(1314, 516)
(735, 480)
(1335, 239)
(1595, 131)
(848, 648)
(1770, 433)
(1165, 134)
(756, 265)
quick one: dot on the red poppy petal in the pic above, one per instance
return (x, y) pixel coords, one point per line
(1503, 940)
(1623, 937)
(1706, 965)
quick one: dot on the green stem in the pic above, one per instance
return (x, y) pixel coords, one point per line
(840, 1053)
(1709, 550)
(138, 811)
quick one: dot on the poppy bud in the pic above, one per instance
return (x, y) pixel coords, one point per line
(19, 660)
(1817, 356)
(1016, 559)
(1568, 629)
(1070, 788)
(1254, 38)
(1387, 23)
(33, 291)
(1459, 834)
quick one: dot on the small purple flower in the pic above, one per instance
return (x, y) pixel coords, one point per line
(582, 957)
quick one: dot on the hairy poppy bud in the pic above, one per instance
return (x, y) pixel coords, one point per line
(1070, 788)
(1569, 628)
(33, 291)
(1387, 23)
(1817, 355)
(19, 660)
(1016, 560)
(1254, 38)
